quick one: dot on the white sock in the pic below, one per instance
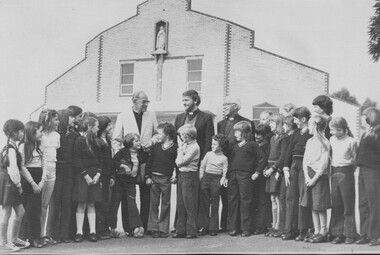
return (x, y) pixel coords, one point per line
(80, 220)
(92, 221)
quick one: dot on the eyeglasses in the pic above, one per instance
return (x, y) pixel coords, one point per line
(144, 101)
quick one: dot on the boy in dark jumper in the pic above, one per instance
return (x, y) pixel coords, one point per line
(159, 172)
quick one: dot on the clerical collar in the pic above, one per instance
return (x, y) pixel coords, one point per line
(231, 118)
(304, 130)
(194, 112)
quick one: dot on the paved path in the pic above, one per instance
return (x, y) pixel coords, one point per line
(222, 243)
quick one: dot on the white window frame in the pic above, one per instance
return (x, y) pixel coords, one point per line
(188, 83)
(121, 79)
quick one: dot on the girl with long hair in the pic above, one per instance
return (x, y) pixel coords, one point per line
(278, 146)
(315, 167)
(344, 149)
(50, 143)
(88, 164)
(31, 153)
(64, 176)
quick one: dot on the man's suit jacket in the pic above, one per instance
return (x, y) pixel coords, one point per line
(221, 129)
(126, 123)
(204, 125)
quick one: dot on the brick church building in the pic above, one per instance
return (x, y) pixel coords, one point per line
(167, 48)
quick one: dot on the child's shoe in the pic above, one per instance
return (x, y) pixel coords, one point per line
(114, 233)
(21, 243)
(138, 232)
(11, 246)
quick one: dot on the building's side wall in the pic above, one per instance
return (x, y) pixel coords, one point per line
(78, 85)
(258, 77)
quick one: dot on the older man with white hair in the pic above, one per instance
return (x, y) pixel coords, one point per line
(231, 107)
(137, 120)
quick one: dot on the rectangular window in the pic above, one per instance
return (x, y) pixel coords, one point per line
(126, 79)
(194, 74)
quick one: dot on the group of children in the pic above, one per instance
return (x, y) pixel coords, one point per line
(57, 175)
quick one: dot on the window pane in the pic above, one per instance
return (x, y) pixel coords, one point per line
(195, 86)
(195, 76)
(127, 79)
(127, 68)
(126, 89)
(195, 64)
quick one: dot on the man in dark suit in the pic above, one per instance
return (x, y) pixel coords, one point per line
(202, 121)
(231, 107)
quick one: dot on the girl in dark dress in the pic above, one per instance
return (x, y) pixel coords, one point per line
(88, 165)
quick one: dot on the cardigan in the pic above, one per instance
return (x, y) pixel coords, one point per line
(369, 151)
(83, 159)
(188, 156)
(278, 146)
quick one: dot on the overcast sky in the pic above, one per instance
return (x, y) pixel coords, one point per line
(41, 39)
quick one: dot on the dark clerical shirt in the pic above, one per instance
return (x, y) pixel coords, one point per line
(138, 117)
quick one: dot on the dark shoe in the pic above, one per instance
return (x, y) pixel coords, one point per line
(49, 240)
(349, 240)
(104, 237)
(289, 236)
(155, 234)
(78, 238)
(363, 240)
(213, 233)
(374, 242)
(173, 231)
(338, 240)
(277, 234)
(245, 234)
(308, 238)
(176, 235)
(319, 239)
(114, 233)
(233, 233)
(222, 230)
(65, 240)
(300, 237)
(258, 231)
(36, 244)
(202, 232)
(93, 237)
(191, 236)
(164, 235)
(270, 231)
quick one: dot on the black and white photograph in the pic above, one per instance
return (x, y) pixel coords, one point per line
(189, 126)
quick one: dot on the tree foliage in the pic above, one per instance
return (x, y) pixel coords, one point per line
(368, 103)
(374, 33)
(345, 95)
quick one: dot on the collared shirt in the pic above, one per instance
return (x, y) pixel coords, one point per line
(138, 117)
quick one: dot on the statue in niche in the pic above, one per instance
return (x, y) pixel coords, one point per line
(161, 40)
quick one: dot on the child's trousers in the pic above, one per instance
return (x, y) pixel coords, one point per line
(369, 202)
(209, 195)
(297, 217)
(125, 188)
(187, 203)
(343, 201)
(161, 187)
(240, 201)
